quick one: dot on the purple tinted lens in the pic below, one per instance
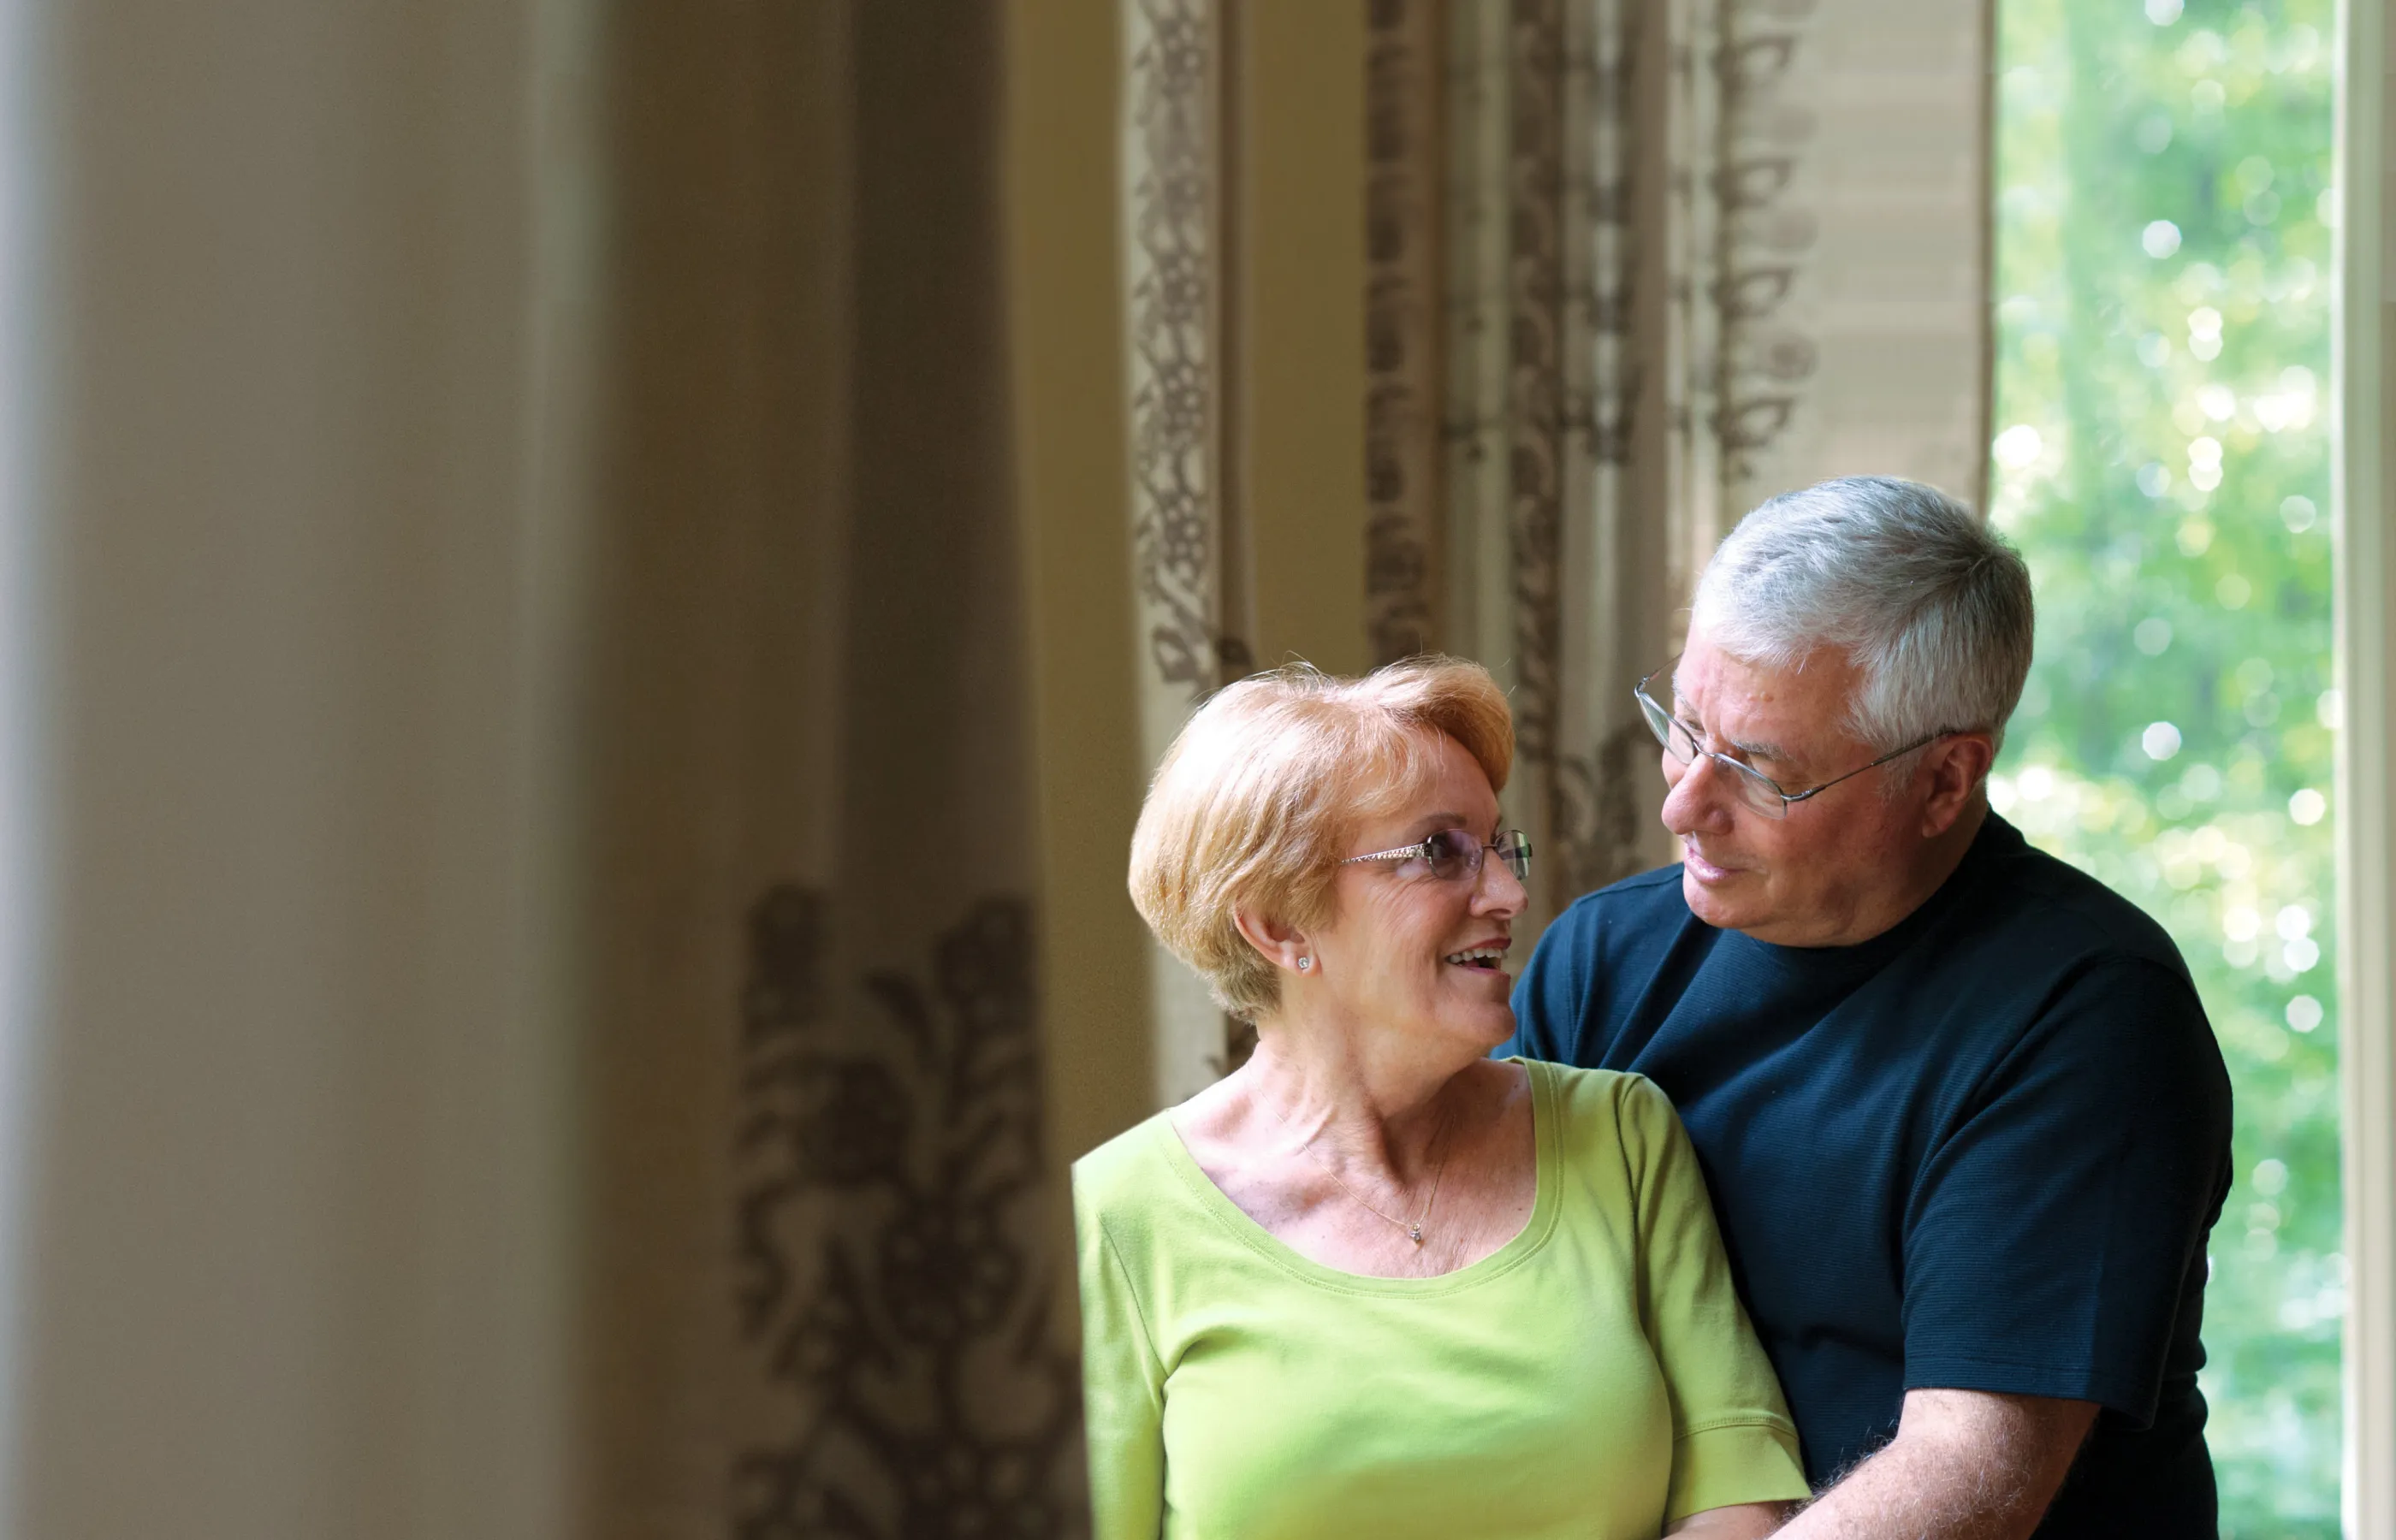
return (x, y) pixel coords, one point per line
(1453, 853)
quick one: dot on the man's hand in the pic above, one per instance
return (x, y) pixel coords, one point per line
(1966, 1465)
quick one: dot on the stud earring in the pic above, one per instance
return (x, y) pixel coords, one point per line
(1304, 964)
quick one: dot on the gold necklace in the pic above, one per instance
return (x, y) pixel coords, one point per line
(1415, 1230)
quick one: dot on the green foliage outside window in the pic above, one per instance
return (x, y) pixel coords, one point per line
(2162, 278)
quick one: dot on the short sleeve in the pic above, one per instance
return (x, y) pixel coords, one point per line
(1122, 1389)
(1731, 1438)
(2059, 1227)
(1552, 994)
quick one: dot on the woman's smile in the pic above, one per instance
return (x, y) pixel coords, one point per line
(1485, 957)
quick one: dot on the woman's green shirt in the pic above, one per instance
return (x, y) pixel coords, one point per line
(1594, 1376)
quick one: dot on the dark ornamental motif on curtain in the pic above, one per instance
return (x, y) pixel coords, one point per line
(1599, 79)
(1191, 579)
(1402, 318)
(1624, 246)
(1598, 816)
(1177, 405)
(888, 1294)
(1535, 384)
(1572, 388)
(1765, 359)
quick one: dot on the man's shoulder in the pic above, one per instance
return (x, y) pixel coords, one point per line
(2042, 905)
(2038, 950)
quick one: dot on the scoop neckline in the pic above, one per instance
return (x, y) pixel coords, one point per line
(1518, 1248)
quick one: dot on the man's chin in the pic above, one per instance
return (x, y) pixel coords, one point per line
(1714, 902)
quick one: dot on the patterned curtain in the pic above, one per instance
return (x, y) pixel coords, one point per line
(1624, 269)
(1649, 263)
(820, 1279)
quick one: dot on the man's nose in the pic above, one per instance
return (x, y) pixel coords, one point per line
(1698, 802)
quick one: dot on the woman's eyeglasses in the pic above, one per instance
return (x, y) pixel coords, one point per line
(1452, 854)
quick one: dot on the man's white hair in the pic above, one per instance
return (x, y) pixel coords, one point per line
(1932, 608)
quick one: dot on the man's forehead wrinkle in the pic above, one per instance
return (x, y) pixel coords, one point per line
(1751, 747)
(1750, 693)
(1753, 694)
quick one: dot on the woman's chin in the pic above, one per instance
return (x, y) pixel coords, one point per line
(1486, 1023)
(1492, 993)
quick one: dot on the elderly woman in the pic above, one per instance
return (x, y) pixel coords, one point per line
(1375, 1283)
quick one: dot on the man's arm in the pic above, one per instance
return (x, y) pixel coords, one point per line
(1966, 1465)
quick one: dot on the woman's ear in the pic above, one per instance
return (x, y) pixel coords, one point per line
(1280, 945)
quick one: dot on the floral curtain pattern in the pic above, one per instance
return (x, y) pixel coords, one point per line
(1404, 608)
(1630, 267)
(889, 1287)
(1692, 253)
(1190, 581)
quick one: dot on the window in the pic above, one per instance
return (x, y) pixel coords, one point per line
(2163, 265)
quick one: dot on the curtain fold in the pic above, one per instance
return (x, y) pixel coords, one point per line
(821, 1266)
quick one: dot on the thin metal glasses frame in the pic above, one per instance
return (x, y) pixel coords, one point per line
(1757, 790)
(1512, 845)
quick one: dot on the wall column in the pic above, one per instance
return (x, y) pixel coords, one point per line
(2365, 468)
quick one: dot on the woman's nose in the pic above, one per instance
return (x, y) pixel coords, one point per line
(1498, 891)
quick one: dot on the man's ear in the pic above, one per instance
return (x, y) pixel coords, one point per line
(1280, 945)
(1955, 767)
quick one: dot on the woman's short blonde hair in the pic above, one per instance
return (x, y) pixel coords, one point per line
(1257, 801)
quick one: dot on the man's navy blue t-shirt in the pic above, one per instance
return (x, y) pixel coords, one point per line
(1979, 1152)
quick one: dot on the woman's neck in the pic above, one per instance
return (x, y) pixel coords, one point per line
(1380, 1111)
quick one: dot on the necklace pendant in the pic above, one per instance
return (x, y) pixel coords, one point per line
(1414, 1233)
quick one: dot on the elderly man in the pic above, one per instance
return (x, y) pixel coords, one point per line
(1959, 1106)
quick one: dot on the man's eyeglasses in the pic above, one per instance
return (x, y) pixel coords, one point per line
(1757, 792)
(1453, 853)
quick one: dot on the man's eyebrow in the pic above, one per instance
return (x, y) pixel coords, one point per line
(1753, 751)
